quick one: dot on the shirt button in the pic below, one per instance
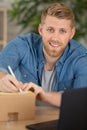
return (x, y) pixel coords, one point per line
(25, 75)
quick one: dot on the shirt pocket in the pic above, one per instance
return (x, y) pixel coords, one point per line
(28, 75)
(63, 85)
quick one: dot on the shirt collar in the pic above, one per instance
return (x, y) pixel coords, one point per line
(69, 49)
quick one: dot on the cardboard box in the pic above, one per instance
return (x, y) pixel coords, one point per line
(17, 106)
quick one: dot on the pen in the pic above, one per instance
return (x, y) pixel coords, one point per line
(11, 71)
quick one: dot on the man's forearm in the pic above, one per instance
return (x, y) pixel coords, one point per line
(53, 98)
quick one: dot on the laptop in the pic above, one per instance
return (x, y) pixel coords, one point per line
(73, 113)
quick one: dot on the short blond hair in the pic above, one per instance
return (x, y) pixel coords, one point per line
(60, 11)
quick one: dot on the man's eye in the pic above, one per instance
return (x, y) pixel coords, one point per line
(62, 31)
(50, 30)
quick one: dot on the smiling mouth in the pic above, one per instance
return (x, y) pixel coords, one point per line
(54, 45)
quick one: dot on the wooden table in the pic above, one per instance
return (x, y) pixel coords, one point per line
(41, 114)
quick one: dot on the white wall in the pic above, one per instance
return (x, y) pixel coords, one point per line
(6, 3)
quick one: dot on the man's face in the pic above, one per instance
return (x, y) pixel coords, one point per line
(56, 34)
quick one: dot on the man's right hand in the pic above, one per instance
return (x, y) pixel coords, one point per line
(8, 83)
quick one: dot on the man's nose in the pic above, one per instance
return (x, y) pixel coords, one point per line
(55, 36)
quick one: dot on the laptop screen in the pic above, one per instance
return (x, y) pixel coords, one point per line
(73, 112)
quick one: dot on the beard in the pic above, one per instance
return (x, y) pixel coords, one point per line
(54, 52)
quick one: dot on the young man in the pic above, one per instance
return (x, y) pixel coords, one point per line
(47, 63)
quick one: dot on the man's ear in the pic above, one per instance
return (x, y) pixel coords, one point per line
(73, 32)
(40, 29)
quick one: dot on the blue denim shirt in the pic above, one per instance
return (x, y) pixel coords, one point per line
(25, 56)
